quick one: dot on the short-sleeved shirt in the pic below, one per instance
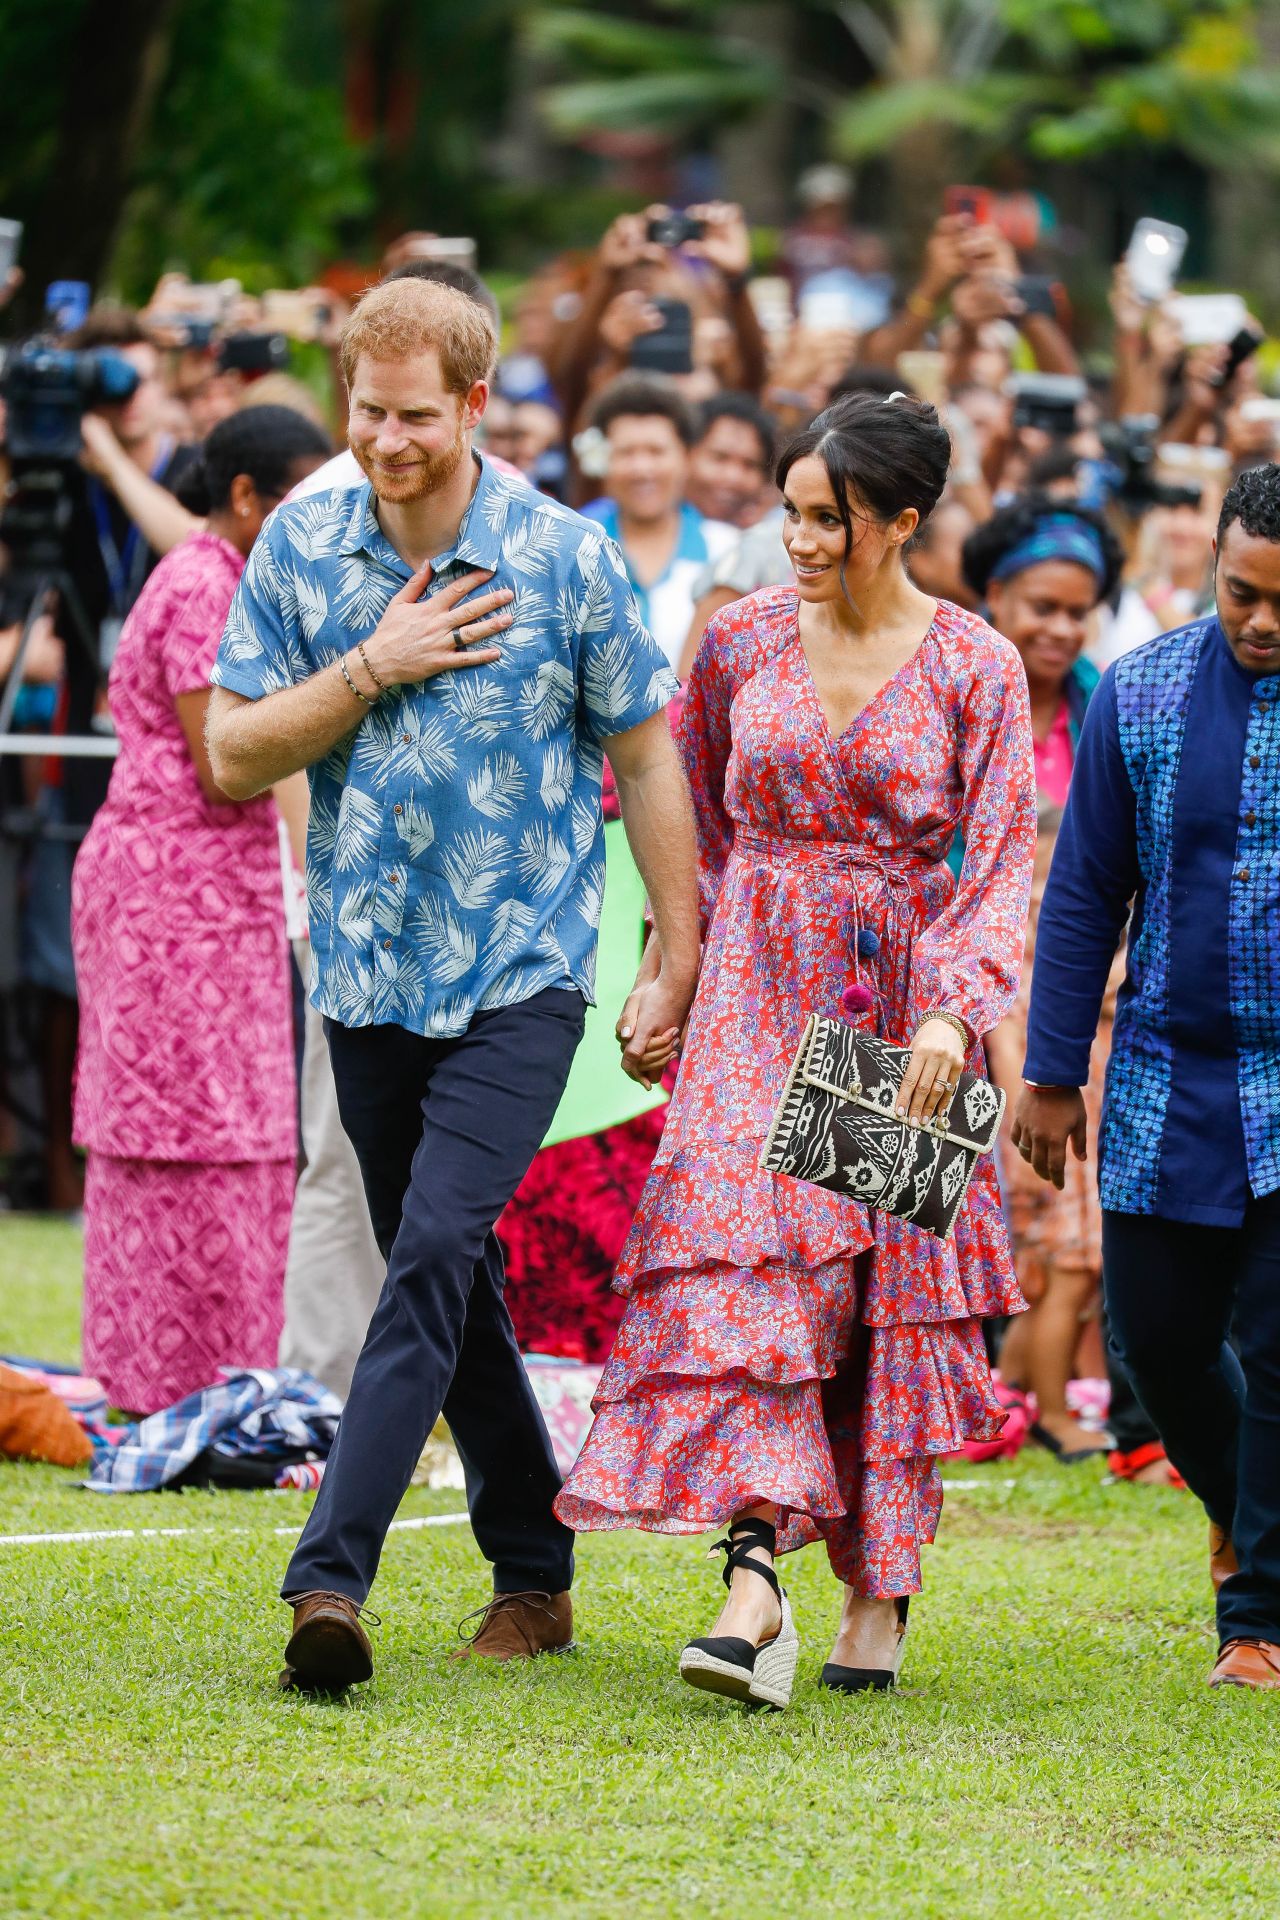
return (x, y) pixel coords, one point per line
(666, 604)
(455, 853)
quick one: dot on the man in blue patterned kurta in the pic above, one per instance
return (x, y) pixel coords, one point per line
(1175, 806)
(455, 867)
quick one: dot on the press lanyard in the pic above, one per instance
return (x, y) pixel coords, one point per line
(127, 565)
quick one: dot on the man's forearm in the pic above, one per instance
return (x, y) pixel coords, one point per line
(254, 743)
(659, 821)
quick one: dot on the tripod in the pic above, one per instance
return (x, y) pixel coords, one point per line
(33, 527)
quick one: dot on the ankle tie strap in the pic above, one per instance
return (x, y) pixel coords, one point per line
(743, 1536)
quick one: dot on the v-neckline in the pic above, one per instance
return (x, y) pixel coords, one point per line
(834, 737)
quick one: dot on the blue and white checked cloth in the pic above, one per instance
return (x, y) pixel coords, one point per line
(258, 1413)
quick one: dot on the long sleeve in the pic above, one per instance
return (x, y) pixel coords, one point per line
(1093, 878)
(968, 960)
(705, 742)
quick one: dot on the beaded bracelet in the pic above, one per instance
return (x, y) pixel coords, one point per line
(351, 683)
(952, 1020)
(381, 685)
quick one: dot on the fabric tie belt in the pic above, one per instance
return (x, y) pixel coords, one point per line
(898, 881)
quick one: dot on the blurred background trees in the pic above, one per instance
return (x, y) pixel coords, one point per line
(266, 137)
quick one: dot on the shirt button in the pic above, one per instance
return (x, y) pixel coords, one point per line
(385, 945)
(397, 808)
(1254, 760)
(407, 738)
(392, 878)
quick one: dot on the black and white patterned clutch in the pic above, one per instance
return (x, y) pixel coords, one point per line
(836, 1126)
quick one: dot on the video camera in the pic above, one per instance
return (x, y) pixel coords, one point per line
(47, 389)
(1132, 448)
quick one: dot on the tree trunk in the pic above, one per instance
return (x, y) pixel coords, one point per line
(115, 61)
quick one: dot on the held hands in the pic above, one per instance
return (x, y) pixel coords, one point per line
(1045, 1119)
(937, 1060)
(650, 1025)
(416, 638)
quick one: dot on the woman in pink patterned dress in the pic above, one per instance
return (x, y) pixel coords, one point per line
(788, 1359)
(185, 1086)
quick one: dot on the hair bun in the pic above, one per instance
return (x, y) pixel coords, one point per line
(193, 490)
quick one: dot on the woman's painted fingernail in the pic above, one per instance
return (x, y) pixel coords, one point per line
(625, 1034)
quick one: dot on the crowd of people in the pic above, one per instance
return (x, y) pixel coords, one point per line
(686, 463)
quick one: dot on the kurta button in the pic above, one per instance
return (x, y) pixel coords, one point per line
(1250, 819)
(1243, 874)
(1254, 760)
(392, 879)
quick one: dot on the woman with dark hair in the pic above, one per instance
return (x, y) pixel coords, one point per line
(789, 1361)
(1041, 567)
(185, 1095)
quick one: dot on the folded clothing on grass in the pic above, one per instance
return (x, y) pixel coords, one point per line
(242, 1432)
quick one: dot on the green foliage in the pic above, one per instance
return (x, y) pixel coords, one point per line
(1064, 79)
(637, 75)
(875, 120)
(247, 156)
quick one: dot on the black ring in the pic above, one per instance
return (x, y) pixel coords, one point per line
(459, 644)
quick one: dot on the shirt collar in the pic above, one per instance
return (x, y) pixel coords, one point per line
(691, 541)
(479, 541)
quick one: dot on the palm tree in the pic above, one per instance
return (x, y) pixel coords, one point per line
(956, 84)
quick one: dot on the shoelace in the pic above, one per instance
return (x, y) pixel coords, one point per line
(497, 1604)
(325, 1593)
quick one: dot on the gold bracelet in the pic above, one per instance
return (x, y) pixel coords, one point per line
(952, 1020)
(351, 683)
(921, 305)
(381, 685)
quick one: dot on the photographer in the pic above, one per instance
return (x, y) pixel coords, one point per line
(701, 260)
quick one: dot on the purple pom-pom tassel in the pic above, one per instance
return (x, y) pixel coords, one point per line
(868, 943)
(856, 1000)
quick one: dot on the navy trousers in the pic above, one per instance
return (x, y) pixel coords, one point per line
(1174, 1292)
(444, 1131)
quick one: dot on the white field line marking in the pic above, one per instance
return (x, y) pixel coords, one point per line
(176, 1533)
(397, 1526)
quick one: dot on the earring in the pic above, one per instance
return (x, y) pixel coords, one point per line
(243, 512)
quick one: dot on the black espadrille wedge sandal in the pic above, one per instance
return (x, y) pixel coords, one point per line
(869, 1679)
(734, 1667)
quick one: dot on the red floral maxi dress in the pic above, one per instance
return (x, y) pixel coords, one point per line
(781, 1342)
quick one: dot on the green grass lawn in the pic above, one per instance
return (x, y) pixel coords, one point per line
(1053, 1750)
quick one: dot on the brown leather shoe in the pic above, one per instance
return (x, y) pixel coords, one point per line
(1222, 1555)
(1247, 1663)
(329, 1650)
(518, 1626)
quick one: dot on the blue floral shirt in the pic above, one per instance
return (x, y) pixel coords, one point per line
(455, 854)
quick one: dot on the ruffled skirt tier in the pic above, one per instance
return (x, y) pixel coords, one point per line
(783, 1344)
